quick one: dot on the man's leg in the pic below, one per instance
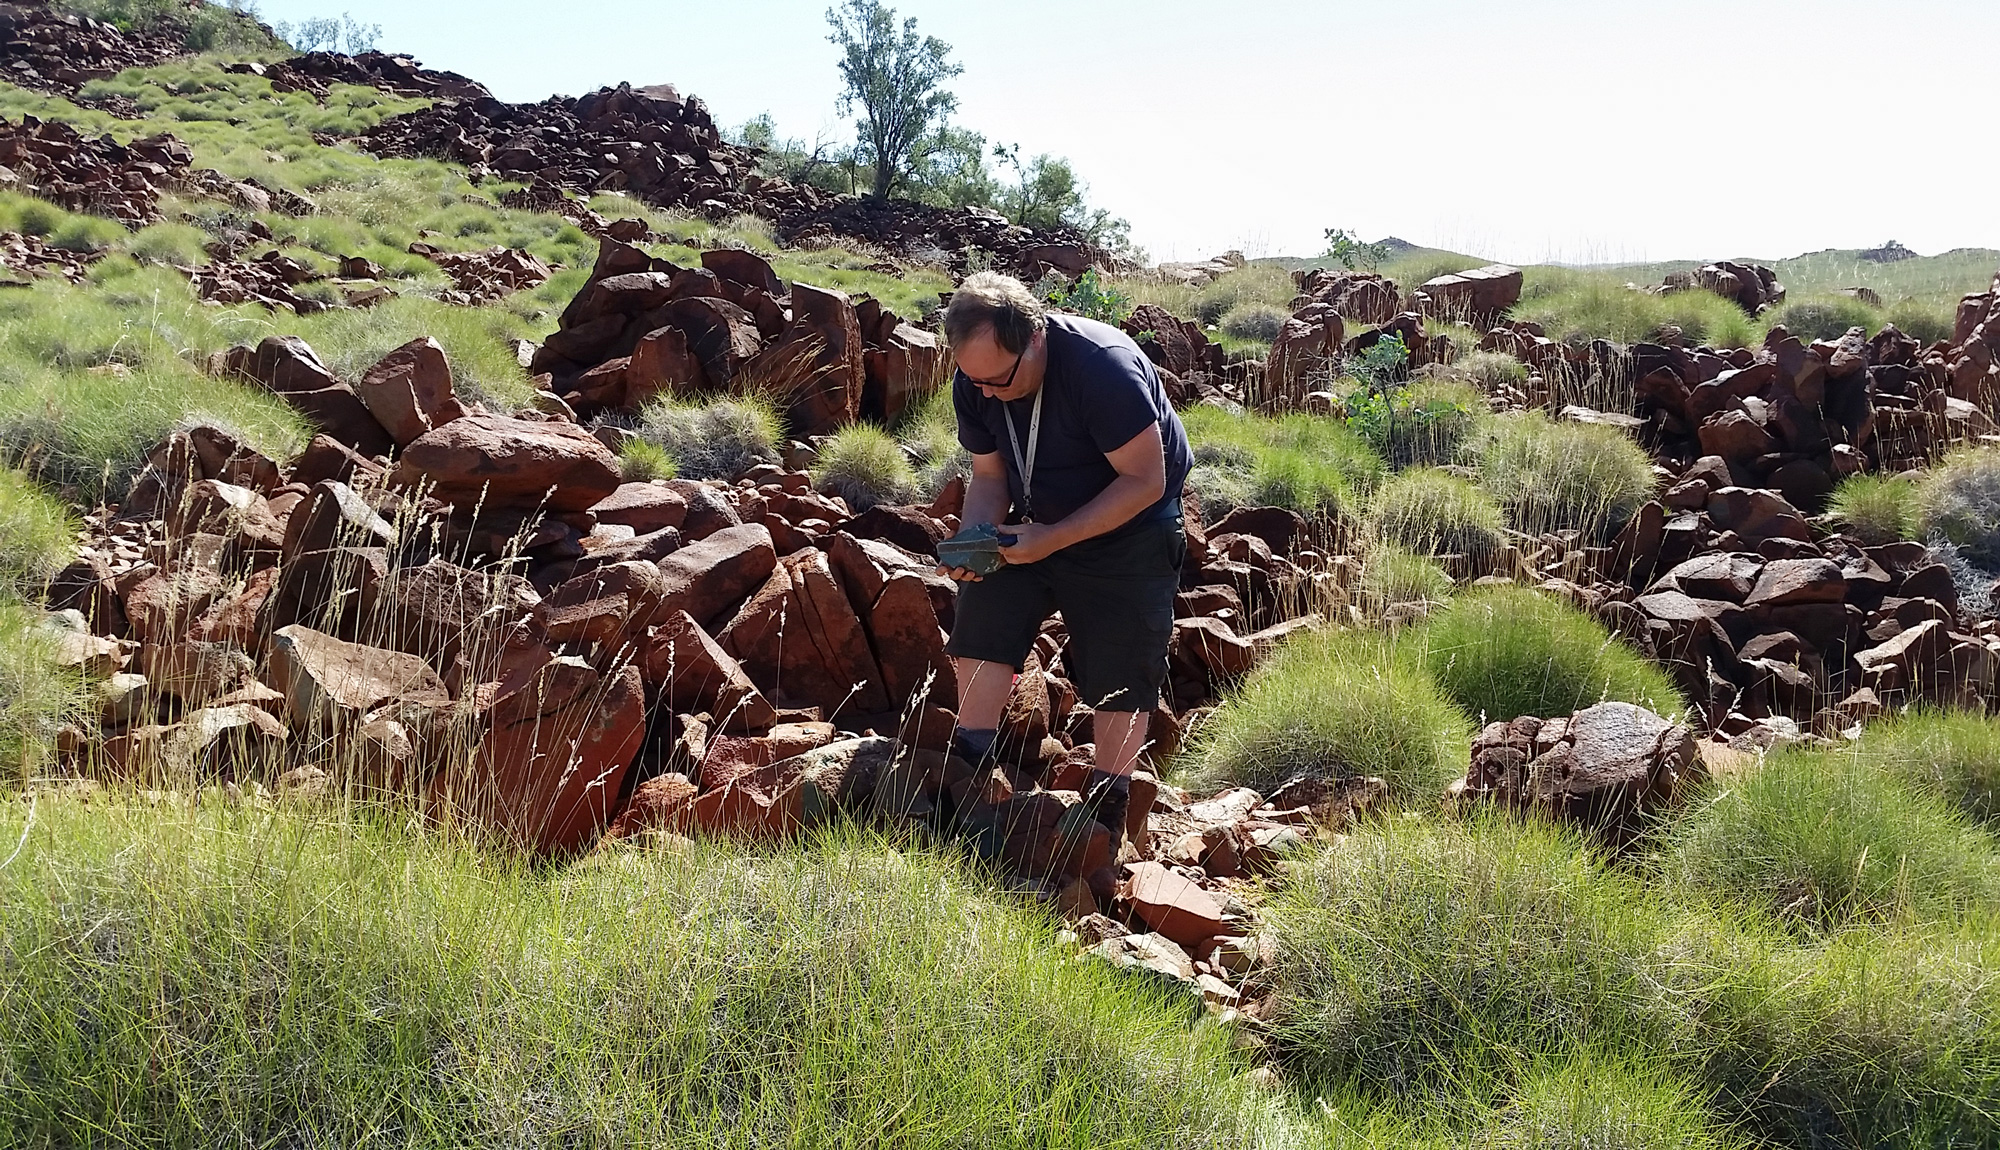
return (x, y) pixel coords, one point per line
(1120, 736)
(998, 619)
(1118, 601)
(983, 688)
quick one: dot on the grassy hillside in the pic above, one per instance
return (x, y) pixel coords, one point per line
(64, 420)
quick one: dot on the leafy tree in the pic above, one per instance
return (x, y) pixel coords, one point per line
(1346, 249)
(360, 37)
(827, 166)
(315, 34)
(897, 82)
(952, 171)
(325, 34)
(1048, 194)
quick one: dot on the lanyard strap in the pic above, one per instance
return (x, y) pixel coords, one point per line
(1026, 463)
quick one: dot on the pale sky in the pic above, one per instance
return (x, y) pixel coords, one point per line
(1524, 130)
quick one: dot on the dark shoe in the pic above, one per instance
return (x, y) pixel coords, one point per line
(1106, 802)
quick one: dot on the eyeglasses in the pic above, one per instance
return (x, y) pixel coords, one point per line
(1009, 382)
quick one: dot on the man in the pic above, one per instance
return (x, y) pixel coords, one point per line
(1078, 453)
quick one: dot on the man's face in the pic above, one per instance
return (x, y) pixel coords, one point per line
(992, 368)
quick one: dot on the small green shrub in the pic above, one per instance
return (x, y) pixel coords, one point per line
(1959, 499)
(1254, 322)
(1552, 476)
(1431, 512)
(715, 439)
(1339, 703)
(1424, 423)
(36, 535)
(1391, 576)
(1824, 317)
(1092, 298)
(1827, 838)
(641, 461)
(1875, 509)
(865, 466)
(1503, 652)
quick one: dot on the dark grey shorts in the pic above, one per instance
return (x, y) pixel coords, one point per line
(1116, 595)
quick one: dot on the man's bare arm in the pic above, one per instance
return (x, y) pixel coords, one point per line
(1142, 477)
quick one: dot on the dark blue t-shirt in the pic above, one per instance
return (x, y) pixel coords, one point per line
(1099, 391)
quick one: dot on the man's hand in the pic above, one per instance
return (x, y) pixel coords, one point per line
(1033, 542)
(960, 574)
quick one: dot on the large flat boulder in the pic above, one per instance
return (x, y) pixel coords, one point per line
(508, 462)
(327, 681)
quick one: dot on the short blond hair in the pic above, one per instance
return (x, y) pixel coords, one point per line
(1001, 303)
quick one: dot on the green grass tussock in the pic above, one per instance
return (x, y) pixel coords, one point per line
(36, 695)
(1392, 576)
(640, 461)
(1462, 973)
(186, 976)
(1503, 652)
(475, 340)
(1875, 509)
(1252, 284)
(37, 535)
(1254, 322)
(1431, 512)
(1425, 962)
(91, 432)
(59, 227)
(1925, 320)
(1341, 703)
(1310, 464)
(1551, 476)
(1827, 838)
(865, 466)
(1605, 1099)
(1575, 305)
(930, 431)
(1959, 499)
(713, 439)
(1952, 754)
(1485, 370)
(1824, 317)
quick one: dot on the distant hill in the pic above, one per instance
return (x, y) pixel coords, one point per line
(1892, 271)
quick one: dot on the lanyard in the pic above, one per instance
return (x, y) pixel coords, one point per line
(1026, 463)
